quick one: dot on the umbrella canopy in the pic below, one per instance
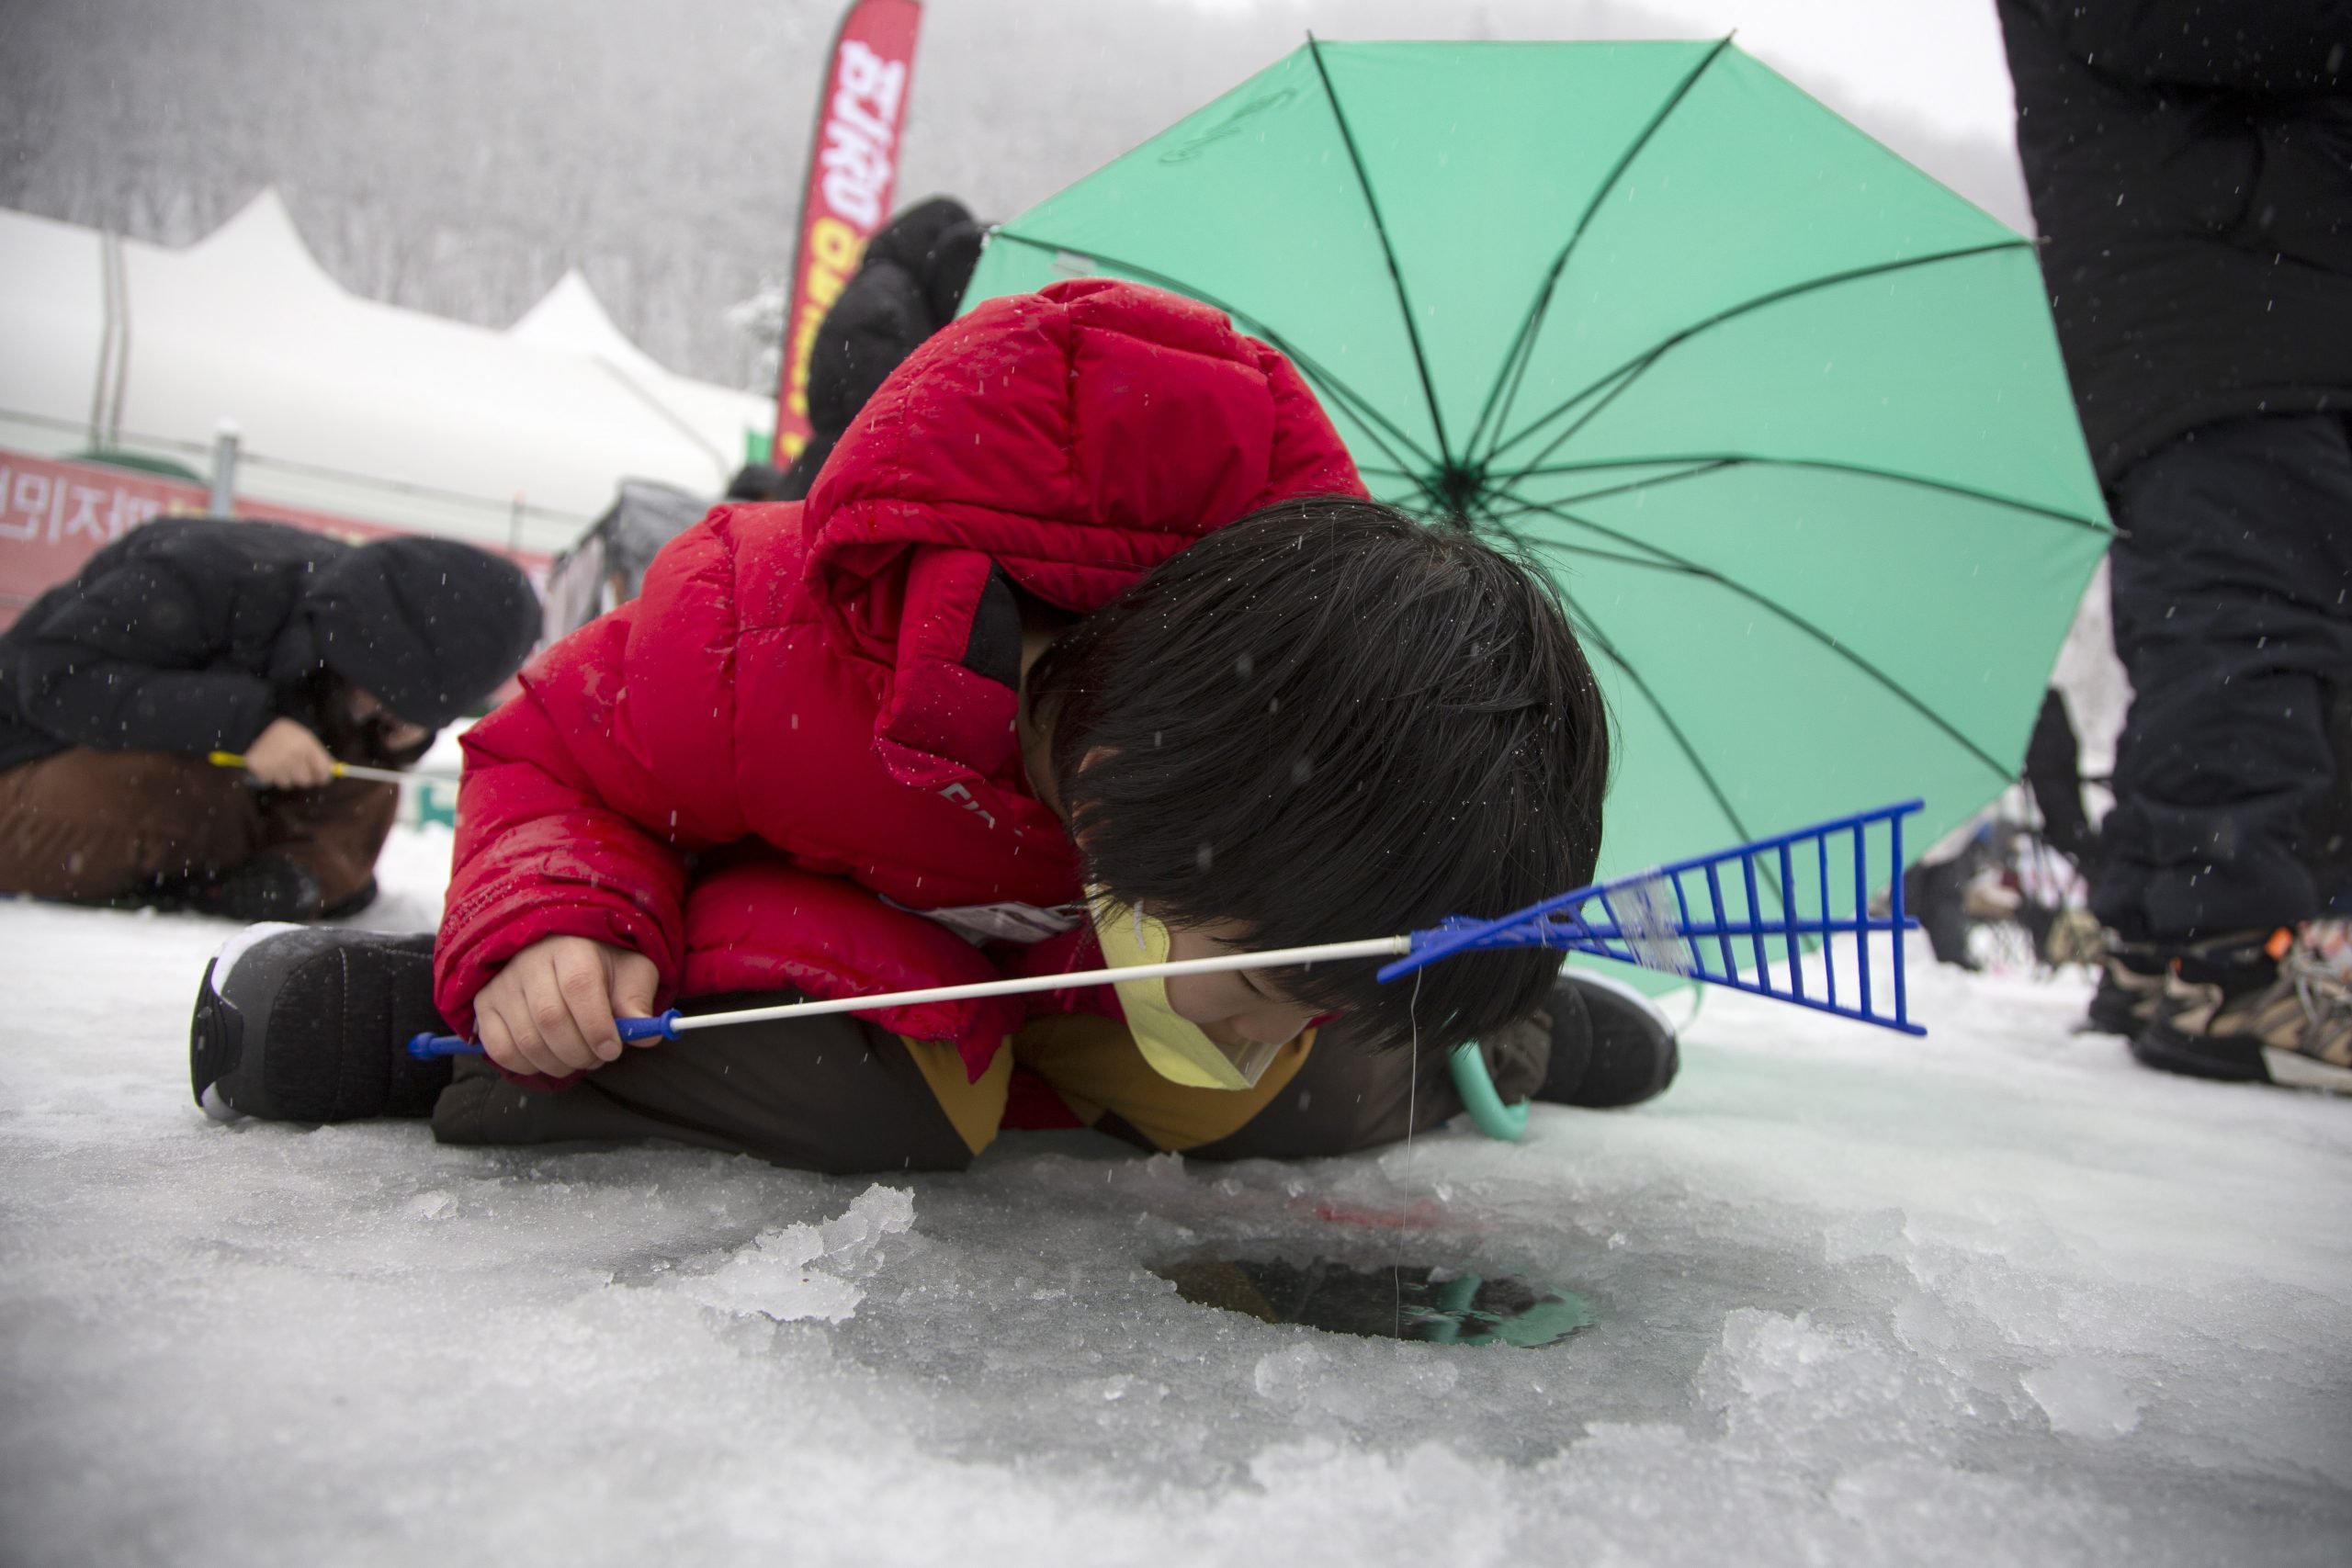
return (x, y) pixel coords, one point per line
(1784, 418)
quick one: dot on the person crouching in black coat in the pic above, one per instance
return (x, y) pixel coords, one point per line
(190, 636)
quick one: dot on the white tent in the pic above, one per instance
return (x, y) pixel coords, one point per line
(344, 405)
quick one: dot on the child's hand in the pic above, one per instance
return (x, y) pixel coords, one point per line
(550, 1010)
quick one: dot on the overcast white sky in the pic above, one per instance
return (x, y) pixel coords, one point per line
(1941, 59)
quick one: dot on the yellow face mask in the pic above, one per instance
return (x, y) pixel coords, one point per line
(1174, 1047)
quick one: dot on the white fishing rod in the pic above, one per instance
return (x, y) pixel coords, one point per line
(1735, 918)
(669, 1025)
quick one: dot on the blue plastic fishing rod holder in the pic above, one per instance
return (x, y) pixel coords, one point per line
(1730, 918)
(1707, 934)
(661, 1026)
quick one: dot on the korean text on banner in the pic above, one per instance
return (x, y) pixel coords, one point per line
(853, 168)
(56, 514)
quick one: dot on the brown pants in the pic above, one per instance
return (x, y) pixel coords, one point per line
(95, 825)
(837, 1095)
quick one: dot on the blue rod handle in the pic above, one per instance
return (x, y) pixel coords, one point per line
(661, 1026)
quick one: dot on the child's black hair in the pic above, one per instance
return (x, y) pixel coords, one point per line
(1330, 721)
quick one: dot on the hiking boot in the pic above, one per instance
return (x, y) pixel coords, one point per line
(2130, 986)
(1611, 1044)
(298, 1024)
(2222, 1018)
(2068, 936)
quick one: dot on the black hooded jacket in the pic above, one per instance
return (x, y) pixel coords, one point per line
(906, 289)
(190, 634)
(2190, 164)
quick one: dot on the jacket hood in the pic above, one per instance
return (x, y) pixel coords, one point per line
(1061, 432)
(431, 626)
(1064, 442)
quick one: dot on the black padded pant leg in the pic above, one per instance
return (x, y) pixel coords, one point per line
(829, 1094)
(2232, 588)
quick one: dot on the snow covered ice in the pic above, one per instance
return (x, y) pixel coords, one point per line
(1994, 1295)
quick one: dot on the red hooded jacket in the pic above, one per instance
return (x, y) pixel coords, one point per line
(801, 735)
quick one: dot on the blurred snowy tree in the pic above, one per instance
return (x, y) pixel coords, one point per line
(457, 155)
(758, 321)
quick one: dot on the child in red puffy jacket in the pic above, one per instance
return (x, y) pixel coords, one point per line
(1086, 647)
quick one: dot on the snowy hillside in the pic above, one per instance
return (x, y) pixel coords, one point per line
(460, 158)
(1997, 1296)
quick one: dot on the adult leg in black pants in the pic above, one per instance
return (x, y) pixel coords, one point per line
(2233, 596)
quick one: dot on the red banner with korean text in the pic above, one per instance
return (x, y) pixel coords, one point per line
(852, 168)
(55, 514)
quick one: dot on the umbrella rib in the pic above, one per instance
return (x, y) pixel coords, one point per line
(1427, 491)
(1521, 507)
(1387, 250)
(1505, 391)
(1586, 552)
(1503, 523)
(1368, 415)
(1682, 742)
(1704, 463)
(1633, 369)
(1592, 629)
(1697, 466)
(1482, 510)
(1668, 561)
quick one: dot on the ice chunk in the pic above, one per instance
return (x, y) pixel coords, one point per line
(805, 1271)
(428, 1205)
(1999, 1295)
(1312, 1379)
(851, 1238)
(2082, 1398)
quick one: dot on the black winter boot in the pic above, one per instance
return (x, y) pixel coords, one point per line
(267, 888)
(351, 904)
(1611, 1044)
(1933, 895)
(298, 1024)
(2130, 986)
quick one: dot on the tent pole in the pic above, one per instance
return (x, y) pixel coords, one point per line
(224, 469)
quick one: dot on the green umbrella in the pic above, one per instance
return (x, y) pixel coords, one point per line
(1783, 417)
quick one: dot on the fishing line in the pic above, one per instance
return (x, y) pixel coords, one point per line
(1412, 1100)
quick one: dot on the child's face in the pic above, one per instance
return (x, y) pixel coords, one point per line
(1235, 1005)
